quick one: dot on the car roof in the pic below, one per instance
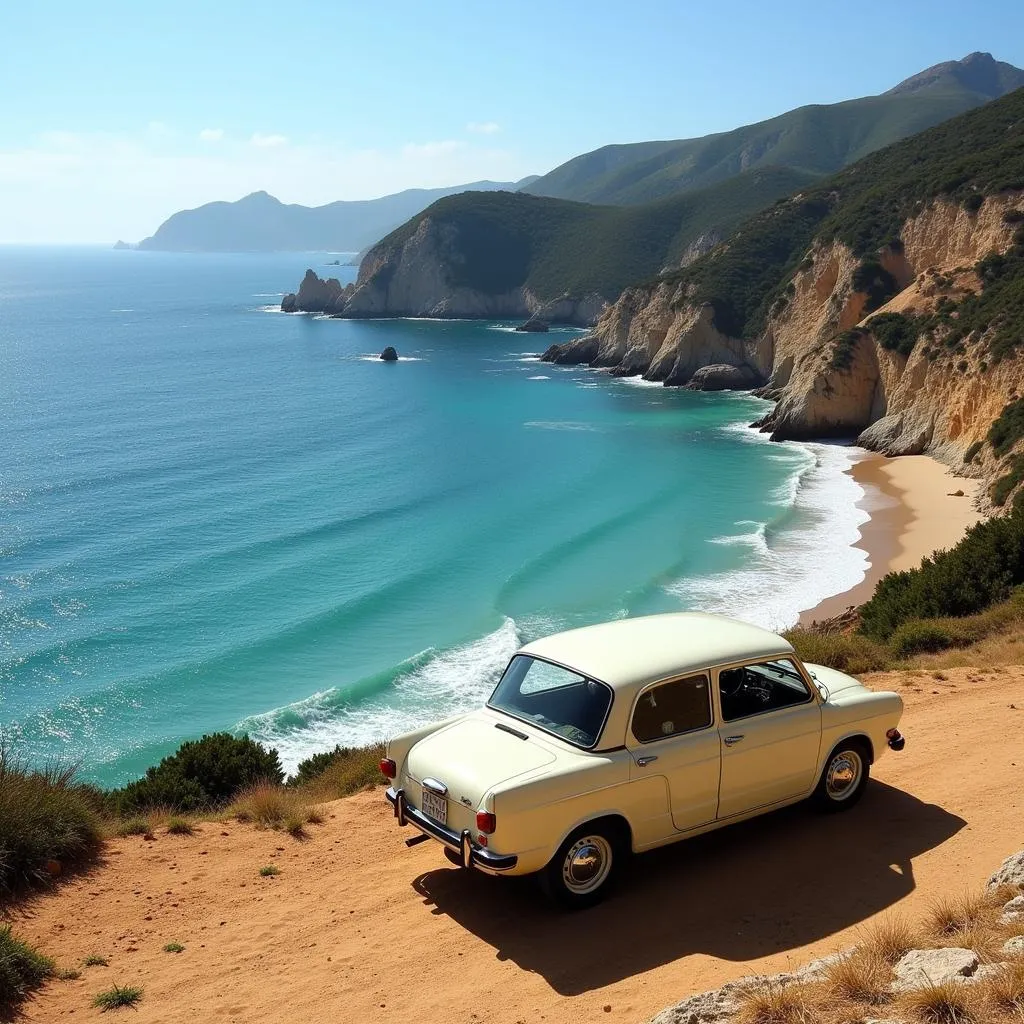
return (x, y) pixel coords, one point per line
(632, 652)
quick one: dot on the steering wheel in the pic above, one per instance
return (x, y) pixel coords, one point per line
(730, 681)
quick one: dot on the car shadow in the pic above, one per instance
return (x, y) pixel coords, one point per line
(757, 888)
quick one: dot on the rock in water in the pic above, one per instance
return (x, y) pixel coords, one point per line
(389, 355)
(288, 303)
(534, 326)
(724, 377)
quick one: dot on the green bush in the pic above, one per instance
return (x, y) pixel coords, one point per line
(1005, 485)
(896, 332)
(974, 202)
(44, 818)
(978, 572)
(845, 347)
(875, 282)
(921, 637)
(22, 969)
(1008, 429)
(202, 773)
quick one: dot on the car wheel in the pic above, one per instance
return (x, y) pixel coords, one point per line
(582, 871)
(844, 777)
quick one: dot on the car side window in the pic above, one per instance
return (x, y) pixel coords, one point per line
(682, 705)
(755, 689)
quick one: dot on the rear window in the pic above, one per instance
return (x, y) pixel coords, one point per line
(554, 699)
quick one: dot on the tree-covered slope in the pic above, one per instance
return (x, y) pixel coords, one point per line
(505, 240)
(965, 159)
(815, 140)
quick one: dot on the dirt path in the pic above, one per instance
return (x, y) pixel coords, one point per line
(358, 928)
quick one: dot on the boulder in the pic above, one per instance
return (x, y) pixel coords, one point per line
(534, 326)
(1014, 946)
(1011, 872)
(389, 355)
(1013, 911)
(922, 967)
(289, 303)
(571, 353)
(724, 377)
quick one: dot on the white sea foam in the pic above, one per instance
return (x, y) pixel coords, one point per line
(562, 425)
(430, 686)
(539, 376)
(639, 382)
(268, 295)
(802, 564)
(368, 358)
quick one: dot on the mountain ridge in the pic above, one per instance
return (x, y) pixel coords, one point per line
(259, 222)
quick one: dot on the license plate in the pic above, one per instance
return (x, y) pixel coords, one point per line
(435, 807)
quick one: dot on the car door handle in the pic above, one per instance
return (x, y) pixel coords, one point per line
(732, 740)
(644, 761)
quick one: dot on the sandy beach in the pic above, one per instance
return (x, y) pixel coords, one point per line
(915, 511)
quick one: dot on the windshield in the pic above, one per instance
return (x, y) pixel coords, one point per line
(553, 698)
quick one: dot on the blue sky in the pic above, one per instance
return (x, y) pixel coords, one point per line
(118, 114)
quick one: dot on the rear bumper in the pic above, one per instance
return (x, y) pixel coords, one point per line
(470, 854)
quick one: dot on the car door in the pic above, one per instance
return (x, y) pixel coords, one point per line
(770, 731)
(672, 734)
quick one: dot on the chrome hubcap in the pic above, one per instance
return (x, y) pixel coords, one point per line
(587, 864)
(843, 774)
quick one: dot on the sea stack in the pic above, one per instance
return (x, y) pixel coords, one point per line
(534, 326)
(389, 355)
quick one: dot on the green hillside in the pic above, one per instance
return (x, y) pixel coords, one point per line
(977, 154)
(507, 239)
(813, 140)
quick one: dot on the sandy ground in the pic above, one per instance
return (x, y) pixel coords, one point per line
(914, 512)
(359, 928)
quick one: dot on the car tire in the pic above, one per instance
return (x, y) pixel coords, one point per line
(586, 866)
(844, 777)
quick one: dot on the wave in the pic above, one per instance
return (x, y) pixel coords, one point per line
(807, 555)
(563, 425)
(430, 685)
(539, 376)
(368, 358)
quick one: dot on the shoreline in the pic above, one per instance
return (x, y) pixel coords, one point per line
(913, 512)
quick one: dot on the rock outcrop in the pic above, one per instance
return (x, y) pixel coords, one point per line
(389, 355)
(535, 326)
(818, 356)
(316, 295)
(724, 377)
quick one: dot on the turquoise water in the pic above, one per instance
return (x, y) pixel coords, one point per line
(218, 516)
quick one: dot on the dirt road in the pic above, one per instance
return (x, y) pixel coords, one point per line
(358, 928)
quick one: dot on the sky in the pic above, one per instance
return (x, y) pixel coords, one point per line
(119, 114)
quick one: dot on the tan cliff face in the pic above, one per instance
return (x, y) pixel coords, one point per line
(411, 279)
(897, 405)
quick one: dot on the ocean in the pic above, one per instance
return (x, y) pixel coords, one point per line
(214, 515)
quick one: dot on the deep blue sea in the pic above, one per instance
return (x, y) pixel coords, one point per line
(217, 516)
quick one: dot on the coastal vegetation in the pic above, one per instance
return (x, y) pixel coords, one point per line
(968, 158)
(22, 969)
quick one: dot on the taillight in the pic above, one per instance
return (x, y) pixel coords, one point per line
(388, 768)
(485, 822)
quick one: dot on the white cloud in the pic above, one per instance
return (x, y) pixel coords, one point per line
(483, 127)
(211, 134)
(97, 187)
(262, 141)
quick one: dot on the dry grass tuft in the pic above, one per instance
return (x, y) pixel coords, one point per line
(315, 816)
(863, 977)
(890, 939)
(948, 1003)
(267, 805)
(180, 827)
(347, 772)
(777, 1004)
(295, 826)
(1005, 989)
(965, 914)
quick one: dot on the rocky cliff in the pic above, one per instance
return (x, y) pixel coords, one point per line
(828, 362)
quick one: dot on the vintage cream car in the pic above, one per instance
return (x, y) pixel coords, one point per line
(617, 738)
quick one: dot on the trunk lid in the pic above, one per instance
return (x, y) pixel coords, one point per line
(473, 755)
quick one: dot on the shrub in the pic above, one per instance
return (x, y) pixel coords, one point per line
(22, 969)
(44, 818)
(847, 652)
(774, 1004)
(133, 826)
(974, 202)
(891, 939)
(875, 282)
(1005, 485)
(895, 332)
(948, 1003)
(845, 346)
(295, 826)
(921, 637)
(268, 805)
(119, 995)
(1006, 988)
(863, 977)
(269, 871)
(316, 764)
(1008, 428)
(342, 771)
(202, 773)
(1013, 216)
(180, 827)
(174, 947)
(978, 572)
(94, 960)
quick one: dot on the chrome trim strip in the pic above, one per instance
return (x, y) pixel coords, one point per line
(435, 787)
